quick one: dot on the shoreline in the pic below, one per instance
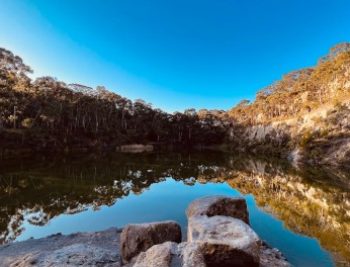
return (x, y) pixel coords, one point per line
(218, 234)
(101, 248)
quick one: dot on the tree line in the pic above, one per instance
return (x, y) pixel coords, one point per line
(300, 92)
(49, 114)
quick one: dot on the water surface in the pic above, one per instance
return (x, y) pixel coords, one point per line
(304, 213)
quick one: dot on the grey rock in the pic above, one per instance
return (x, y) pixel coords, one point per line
(157, 256)
(219, 205)
(136, 238)
(191, 255)
(272, 257)
(224, 241)
(170, 254)
(78, 255)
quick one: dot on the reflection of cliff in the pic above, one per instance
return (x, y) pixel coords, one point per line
(316, 209)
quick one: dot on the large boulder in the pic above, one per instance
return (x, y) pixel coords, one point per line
(224, 241)
(219, 205)
(136, 238)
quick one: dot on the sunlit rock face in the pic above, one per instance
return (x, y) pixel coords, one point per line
(307, 110)
(318, 208)
(224, 239)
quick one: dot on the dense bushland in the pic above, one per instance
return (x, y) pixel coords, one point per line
(51, 115)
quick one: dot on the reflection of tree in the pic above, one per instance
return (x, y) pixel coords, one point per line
(43, 189)
(309, 202)
(314, 207)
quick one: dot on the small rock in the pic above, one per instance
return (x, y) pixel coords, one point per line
(170, 254)
(219, 205)
(157, 256)
(192, 255)
(272, 257)
(136, 238)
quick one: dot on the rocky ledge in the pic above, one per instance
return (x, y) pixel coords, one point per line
(218, 235)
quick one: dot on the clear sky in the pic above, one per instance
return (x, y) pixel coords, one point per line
(174, 54)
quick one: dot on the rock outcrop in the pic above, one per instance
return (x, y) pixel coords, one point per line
(218, 235)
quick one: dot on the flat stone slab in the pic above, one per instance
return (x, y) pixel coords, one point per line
(99, 249)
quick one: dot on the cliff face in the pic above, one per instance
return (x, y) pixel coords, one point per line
(322, 137)
(304, 116)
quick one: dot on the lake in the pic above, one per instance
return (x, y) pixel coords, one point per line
(305, 212)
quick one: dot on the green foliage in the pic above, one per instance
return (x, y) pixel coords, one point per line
(54, 115)
(27, 123)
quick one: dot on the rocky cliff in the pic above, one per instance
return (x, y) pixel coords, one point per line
(304, 116)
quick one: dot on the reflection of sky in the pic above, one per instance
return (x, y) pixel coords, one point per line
(168, 201)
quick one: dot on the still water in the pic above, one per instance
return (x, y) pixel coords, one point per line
(303, 212)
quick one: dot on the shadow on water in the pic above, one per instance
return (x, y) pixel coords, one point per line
(303, 212)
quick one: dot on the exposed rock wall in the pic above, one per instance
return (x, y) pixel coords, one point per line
(319, 138)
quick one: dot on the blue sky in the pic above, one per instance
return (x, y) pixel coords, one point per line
(174, 54)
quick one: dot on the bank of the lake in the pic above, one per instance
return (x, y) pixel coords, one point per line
(219, 234)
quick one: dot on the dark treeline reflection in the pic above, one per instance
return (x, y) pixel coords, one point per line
(314, 203)
(40, 189)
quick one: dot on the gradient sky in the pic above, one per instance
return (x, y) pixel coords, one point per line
(174, 54)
